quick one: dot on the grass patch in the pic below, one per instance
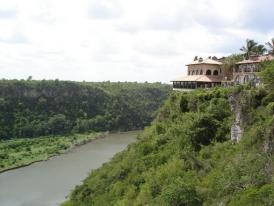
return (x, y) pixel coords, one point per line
(20, 152)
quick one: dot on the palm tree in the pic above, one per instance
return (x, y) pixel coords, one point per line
(249, 48)
(270, 46)
(260, 49)
(252, 48)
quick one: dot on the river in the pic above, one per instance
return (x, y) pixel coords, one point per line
(48, 183)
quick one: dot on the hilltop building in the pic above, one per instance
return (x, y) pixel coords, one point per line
(208, 73)
(202, 73)
(247, 70)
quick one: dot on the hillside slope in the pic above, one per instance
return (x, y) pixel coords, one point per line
(38, 108)
(186, 158)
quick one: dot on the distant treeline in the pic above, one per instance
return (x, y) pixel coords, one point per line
(36, 108)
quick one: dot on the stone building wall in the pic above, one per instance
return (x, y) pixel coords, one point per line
(201, 69)
(245, 73)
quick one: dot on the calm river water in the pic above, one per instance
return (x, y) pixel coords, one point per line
(48, 183)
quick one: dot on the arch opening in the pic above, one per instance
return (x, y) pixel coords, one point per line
(208, 72)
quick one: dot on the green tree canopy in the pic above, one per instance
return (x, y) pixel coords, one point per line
(252, 48)
(267, 75)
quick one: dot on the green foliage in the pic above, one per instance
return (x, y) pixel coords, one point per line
(252, 48)
(229, 64)
(57, 124)
(179, 193)
(270, 108)
(20, 152)
(254, 196)
(267, 75)
(37, 108)
(184, 104)
(185, 157)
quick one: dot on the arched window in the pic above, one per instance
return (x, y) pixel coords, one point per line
(208, 72)
(193, 72)
(201, 72)
(215, 73)
(197, 72)
(188, 72)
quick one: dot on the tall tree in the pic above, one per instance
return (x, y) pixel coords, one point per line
(260, 49)
(249, 48)
(229, 63)
(252, 47)
(270, 46)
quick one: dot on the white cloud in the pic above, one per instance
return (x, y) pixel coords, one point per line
(15, 38)
(105, 9)
(123, 40)
(8, 14)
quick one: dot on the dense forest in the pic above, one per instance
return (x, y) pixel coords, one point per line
(186, 157)
(36, 108)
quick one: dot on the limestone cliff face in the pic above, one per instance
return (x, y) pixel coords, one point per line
(236, 128)
(240, 105)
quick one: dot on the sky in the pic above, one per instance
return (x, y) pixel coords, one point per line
(123, 40)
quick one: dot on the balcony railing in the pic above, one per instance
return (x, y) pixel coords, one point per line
(194, 85)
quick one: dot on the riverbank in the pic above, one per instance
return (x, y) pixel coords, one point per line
(23, 152)
(47, 183)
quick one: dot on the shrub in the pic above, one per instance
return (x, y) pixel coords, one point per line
(179, 193)
(255, 196)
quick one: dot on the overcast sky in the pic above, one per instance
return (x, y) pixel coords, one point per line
(123, 40)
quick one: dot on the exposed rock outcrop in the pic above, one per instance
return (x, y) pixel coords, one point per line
(237, 126)
(236, 132)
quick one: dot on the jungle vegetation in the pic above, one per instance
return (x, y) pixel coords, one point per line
(31, 108)
(186, 157)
